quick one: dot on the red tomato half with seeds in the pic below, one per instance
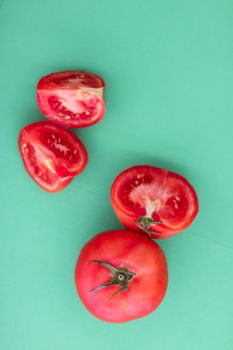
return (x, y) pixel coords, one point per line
(121, 275)
(72, 99)
(51, 155)
(156, 201)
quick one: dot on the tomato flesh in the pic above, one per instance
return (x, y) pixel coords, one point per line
(128, 250)
(159, 195)
(52, 155)
(72, 99)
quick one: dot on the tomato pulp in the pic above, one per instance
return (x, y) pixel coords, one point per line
(154, 200)
(121, 275)
(51, 155)
(72, 99)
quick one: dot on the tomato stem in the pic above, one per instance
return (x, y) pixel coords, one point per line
(144, 223)
(119, 276)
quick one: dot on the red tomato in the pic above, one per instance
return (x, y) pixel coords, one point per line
(154, 200)
(72, 99)
(52, 155)
(121, 275)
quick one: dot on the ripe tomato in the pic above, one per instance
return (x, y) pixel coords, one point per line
(121, 275)
(72, 99)
(154, 200)
(52, 155)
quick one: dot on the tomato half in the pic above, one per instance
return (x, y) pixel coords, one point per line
(72, 99)
(157, 201)
(52, 155)
(121, 275)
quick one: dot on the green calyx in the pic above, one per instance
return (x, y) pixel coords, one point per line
(144, 223)
(119, 276)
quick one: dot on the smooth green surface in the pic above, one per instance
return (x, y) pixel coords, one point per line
(168, 66)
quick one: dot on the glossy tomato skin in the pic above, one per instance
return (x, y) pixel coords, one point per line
(52, 155)
(126, 249)
(166, 196)
(73, 99)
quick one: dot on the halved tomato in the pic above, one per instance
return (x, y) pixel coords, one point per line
(156, 201)
(52, 155)
(72, 99)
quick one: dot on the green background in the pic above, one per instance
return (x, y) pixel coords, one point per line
(168, 70)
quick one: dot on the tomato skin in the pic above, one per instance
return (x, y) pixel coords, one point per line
(133, 251)
(52, 156)
(73, 99)
(167, 182)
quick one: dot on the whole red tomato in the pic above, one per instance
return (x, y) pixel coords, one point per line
(72, 99)
(121, 276)
(156, 201)
(51, 155)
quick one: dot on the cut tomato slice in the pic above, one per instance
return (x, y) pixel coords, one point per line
(52, 155)
(155, 200)
(72, 99)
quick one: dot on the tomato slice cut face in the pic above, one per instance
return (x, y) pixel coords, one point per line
(72, 99)
(52, 155)
(155, 200)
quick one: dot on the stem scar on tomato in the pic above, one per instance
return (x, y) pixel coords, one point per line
(120, 276)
